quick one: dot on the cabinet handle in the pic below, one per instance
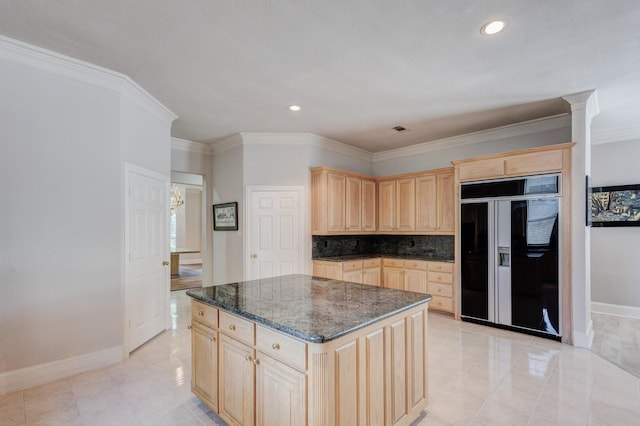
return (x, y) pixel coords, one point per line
(275, 346)
(256, 361)
(232, 327)
(189, 327)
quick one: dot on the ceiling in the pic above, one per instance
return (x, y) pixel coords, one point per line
(356, 67)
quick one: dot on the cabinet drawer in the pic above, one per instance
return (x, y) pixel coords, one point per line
(372, 263)
(487, 168)
(281, 347)
(440, 303)
(394, 263)
(415, 264)
(436, 289)
(204, 314)
(352, 265)
(236, 327)
(440, 277)
(440, 267)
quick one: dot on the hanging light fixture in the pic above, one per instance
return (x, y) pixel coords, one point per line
(176, 200)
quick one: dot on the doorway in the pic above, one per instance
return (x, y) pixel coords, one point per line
(186, 238)
(274, 231)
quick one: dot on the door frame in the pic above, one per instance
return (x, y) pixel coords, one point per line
(249, 190)
(126, 302)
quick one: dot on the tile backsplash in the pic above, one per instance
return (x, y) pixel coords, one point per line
(441, 246)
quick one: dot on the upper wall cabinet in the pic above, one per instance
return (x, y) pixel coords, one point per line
(547, 159)
(417, 203)
(342, 202)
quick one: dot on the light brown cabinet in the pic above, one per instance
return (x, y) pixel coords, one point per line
(376, 375)
(427, 203)
(365, 271)
(341, 202)
(440, 286)
(446, 203)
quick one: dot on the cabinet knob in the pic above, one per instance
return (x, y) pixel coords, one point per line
(213, 339)
(247, 358)
(232, 327)
(256, 361)
(189, 327)
(201, 313)
(275, 346)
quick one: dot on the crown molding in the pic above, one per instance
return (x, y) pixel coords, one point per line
(190, 146)
(85, 72)
(559, 121)
(587, 100)
(226, 144)
(617, 135)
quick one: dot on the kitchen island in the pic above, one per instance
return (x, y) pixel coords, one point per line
(303, 350)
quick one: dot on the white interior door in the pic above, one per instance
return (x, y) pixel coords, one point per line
(147, 270)
(274, 231)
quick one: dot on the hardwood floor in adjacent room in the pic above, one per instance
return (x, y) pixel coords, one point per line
(190, 276)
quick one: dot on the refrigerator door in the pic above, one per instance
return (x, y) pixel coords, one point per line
(534, 265)
(475, 257)
(503, 266)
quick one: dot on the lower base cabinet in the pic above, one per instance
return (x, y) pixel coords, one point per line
(374, 376)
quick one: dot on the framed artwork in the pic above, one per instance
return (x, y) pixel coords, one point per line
(615, 206)
(225, 217)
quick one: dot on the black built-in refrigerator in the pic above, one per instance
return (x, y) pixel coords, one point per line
(509, 240)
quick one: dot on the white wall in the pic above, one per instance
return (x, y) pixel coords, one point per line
(67, 129)
(614, 251)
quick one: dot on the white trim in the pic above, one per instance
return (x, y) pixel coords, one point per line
(226, 144)
(85, 72)
(618, 135)
(23, 378)
(303, 213)
(620, 310)
(584, 340)
(559, 121)
(190, 146)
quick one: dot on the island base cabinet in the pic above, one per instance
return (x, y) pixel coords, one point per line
(236, 382)
(204, 380)
(375, 376)
(281, 394)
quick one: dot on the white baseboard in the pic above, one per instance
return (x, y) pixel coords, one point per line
(621, 310)
(584, 339)
(23, 378)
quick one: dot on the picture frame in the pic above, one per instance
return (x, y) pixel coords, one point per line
(225, 217)
(613, 206)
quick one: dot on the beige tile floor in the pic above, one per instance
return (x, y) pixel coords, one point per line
(478, 375)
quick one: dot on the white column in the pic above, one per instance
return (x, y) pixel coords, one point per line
(584, 106)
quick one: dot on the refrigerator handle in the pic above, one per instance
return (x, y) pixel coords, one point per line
(503, 254)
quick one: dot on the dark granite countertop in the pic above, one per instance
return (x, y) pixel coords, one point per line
(310, 308)
(430, 258)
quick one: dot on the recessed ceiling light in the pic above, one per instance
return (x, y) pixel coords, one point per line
(491, 28)
(294, 108)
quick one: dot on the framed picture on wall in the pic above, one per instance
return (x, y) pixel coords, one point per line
(225, 217)
(615, 206)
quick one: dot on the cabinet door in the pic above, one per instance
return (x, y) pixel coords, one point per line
(204, 356)
(371, 276)
(368, 205)
(280, 394)
(352, 276)
(415, 280)
(417, 350)
(236, 385)
(319, 269)
(318, 202)
(446, 203)
(387, 206)
(426, 211)
(399, 377)
(353, 204)
(336, 184)
(393, 278)
(406, 204)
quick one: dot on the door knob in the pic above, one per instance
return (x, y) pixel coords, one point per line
(254, 256)
(165, 263)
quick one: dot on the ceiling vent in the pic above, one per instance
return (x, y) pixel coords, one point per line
(400, 129)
